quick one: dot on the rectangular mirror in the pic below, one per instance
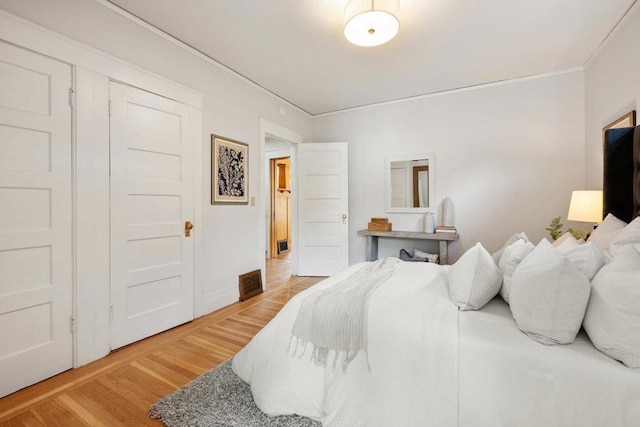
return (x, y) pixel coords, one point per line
(410, 183)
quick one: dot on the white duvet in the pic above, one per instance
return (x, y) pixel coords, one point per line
(413, 356)
(431, 366)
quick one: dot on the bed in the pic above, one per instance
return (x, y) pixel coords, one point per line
(428, 364)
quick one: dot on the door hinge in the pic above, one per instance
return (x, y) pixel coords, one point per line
(71, 97)
(110, 312)
(73, 323)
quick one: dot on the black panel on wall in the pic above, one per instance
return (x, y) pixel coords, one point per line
(618, 173)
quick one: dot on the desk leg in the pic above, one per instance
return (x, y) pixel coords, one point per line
(444, 252)
(372, 248)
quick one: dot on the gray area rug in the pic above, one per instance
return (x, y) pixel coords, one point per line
(219, 398)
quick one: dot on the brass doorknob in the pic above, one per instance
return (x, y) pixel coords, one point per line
(187, 228)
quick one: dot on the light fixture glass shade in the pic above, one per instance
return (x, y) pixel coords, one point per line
(585, 206)
(371, 22)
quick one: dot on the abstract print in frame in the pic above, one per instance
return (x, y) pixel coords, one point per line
(229, 171)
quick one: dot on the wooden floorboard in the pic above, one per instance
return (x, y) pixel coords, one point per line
(119, 389)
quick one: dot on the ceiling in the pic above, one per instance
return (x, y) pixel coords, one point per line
(296, 49)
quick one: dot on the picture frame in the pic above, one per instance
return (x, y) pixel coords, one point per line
(628, 120)
(229, 171)
(250, 284)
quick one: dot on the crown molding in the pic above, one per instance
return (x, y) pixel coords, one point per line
(614, 31)
(454, 91)
(182, 45)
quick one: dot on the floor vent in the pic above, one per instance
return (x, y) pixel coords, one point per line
(283, 246)
(250, 284)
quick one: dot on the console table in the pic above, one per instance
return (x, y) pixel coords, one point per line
(372, 241)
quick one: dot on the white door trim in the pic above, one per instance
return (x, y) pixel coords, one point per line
(269, 128)
(92, 237)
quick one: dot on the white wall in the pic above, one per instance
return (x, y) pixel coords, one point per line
(232, 108)
(508, 156)
(612, 89)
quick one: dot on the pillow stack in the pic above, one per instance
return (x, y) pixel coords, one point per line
(554, 289)
(551, 285)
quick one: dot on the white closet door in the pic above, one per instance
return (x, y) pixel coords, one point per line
(35, 218)
(323, 208)
(151, 199)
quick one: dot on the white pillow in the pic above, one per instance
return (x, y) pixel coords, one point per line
(613, 315)
(567, 242)
(510, 259)
(629, 235)
(587, 258)
(606, 232)
(474, 279)
(549, 296)
(518, 236)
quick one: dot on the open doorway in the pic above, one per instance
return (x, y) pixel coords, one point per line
(280, 212)
(277, 141)
(279, 243)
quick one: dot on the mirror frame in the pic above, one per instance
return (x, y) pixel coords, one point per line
(431, 157)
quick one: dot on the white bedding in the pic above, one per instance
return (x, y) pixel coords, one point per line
(413, 324)
(431, 366)
(508, 379)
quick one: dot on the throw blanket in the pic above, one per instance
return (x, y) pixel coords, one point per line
(336, 318)
(412, 349)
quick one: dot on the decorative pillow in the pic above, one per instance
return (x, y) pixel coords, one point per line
(549, 296)
(613, 315)
(518, 236)
(509, 261)
(606, 232)
(474, 280)
(629, 235)
(566, 242)
(587, 258)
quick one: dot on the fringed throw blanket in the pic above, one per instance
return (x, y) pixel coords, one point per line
(336, 318)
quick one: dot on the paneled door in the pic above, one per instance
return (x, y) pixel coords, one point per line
(35, 218)
(151, 205)
(323, 208)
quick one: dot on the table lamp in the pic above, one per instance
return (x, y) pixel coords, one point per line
(586, 206)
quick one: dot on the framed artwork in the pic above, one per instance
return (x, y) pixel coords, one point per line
(229, 171)
(250, 284)
(628, 120)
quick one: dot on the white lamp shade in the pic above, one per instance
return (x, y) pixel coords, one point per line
(585, 206)
(371, 22)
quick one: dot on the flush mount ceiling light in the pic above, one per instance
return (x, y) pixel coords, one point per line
(371, 22)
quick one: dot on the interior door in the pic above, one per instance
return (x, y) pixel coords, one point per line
(323, 208)
(35, 218)
(151, 201)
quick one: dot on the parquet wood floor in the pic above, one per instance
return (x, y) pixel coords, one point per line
(119, 389)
